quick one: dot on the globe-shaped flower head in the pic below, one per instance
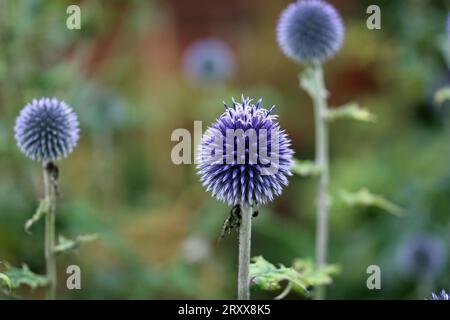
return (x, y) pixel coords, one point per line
(421, 256)
(245, 157)
(310, 30)
(209, 60)
(46, 130)
(440, 296)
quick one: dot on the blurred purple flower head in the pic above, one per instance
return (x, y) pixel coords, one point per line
(245, 157)
(448, 26)
(107, 109)
(421, 255)
(440, 296)
(310, 30)
(208, 61)
(46, 130)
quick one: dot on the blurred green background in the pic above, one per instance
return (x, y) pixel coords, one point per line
(123, 74)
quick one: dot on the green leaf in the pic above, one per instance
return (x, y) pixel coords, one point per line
(316, 276)
(350, 111)
(68, 245)
(6, 281)
(42, 210)
(23, 276)
(305, 168)
(442, 96)
(364, 197)
(301, 277)
(266, 276)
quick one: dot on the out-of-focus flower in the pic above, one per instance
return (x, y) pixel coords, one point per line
(310, 30)
(448, 26)
(208, 61)
(105, 108)
(245, 157)
(46, 130)
(421, 255)
(195, 249)
(440, 296)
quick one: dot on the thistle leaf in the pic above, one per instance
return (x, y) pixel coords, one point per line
(350, 111)
(68, 245)
(364, 197)
(266, 276)
(305, 168)
(6, 281)
(22, 276)
(301, 277)
(316, 276)
(41, 211)
(442, 96)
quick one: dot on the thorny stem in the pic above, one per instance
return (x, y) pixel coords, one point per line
(50, 182)
(245, 231)
(322, 161)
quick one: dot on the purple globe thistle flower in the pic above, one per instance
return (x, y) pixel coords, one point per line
(46, 130)
(440, 296)
(310, 30)
(209, 60)
(245, 157)
(421, 255)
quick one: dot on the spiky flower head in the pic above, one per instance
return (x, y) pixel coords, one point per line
(209, 60)
(245, 157)
(310, 30)
(440, 296)
(46, 130)
(422, 255)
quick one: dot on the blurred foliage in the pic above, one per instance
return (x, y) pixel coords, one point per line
(41, 211)
(364, 197)
(122, 74)
(442, 96)
(65, 245)
(351, 111)
(306, 168)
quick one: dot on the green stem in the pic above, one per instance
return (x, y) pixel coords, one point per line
(285, 292)
(322, 160)
(245, 231)
(50, 194)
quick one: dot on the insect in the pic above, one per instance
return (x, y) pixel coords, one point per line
(54, 175)
(233, 221)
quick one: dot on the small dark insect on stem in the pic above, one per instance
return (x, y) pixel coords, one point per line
(53, 172)
(233, 221)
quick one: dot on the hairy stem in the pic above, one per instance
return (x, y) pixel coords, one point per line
(322, 160)
(50, 176)
(245, 233)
